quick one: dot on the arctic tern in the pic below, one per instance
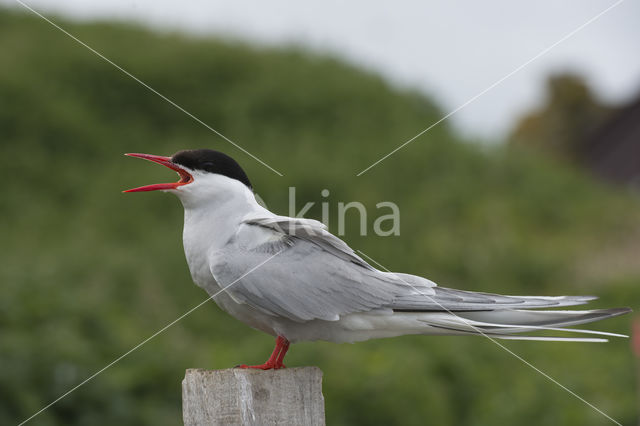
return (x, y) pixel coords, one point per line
(289, 277)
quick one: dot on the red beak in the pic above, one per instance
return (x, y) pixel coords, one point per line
(185, 177)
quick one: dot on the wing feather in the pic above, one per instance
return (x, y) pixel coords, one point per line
(314, 276)
(307, 273)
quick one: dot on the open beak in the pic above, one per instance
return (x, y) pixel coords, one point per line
(185, 177)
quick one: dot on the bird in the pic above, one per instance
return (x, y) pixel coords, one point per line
(291, 278)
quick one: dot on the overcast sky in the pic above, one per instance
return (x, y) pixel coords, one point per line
(452, 50)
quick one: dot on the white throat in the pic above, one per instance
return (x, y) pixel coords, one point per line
(214, 207)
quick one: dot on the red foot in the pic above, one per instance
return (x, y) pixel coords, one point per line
(275, 360)
(265, 366)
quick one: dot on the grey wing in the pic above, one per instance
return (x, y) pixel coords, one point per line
(448, 299)
(313, 231)
(303, 275)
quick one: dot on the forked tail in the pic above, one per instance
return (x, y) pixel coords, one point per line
(509, 323)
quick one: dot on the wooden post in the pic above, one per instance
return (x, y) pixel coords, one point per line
(289, 396)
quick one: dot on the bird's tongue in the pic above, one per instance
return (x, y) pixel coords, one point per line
(185, 177)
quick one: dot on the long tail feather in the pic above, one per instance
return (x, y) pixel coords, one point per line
(503, 324)
(551, 339)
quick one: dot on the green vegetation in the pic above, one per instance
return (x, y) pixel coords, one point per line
(88, 272)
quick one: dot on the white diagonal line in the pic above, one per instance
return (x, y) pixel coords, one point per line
(497, 343)
(540, 54)
(88, 379)
(148, 87)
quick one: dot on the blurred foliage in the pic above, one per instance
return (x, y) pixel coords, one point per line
(88, 273)
(562, 125)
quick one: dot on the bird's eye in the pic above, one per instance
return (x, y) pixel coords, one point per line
(207, 165)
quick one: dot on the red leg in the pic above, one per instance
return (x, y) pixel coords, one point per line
(275, 360)
(283, 352)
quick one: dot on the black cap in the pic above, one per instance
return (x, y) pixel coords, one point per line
(211, 161)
